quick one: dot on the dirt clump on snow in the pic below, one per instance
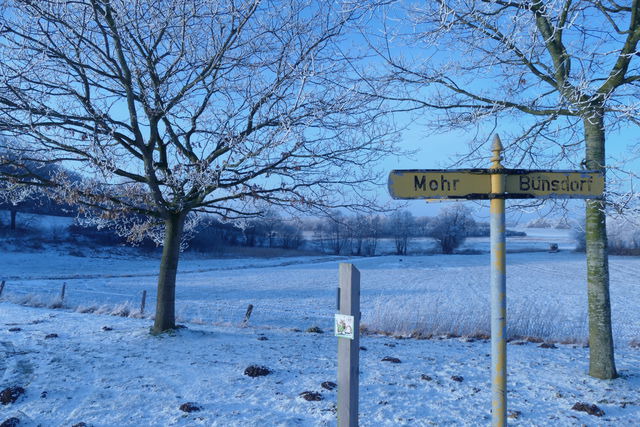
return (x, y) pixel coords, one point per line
(190, 407)
(11, 422)
(49, 336)
(589, 409)
(329, 385)
(514, 415)
(256, 371)
(391, 359)
(11, 394)
(311, 396)
(457, 378)
(315, 330)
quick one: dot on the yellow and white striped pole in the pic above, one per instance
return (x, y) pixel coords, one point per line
(498, 290)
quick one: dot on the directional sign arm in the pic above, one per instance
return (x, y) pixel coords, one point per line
(476, 184)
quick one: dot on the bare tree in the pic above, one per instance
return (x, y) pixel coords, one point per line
(333, 233)
(358, 230)
(401, 226)
(562, 73)
(451, 227)
(374, 232)
(271, 223)
(291, 234)
(170, 107)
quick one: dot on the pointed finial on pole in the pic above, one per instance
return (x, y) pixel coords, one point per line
(496, 149)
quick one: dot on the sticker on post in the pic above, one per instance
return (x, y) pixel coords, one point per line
(344, 326)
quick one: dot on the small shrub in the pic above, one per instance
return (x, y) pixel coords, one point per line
(122, 310)
(56, 303)
(86, 309)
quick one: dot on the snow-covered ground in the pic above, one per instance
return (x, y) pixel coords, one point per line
(125, 376)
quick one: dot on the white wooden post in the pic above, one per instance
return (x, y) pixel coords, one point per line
(349, 349)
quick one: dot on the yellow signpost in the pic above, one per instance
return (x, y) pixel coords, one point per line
(496, 184)
(476, 184)
(554, 184)
(439, 184)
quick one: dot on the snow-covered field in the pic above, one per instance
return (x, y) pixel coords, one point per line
(430, 294)
(127, 377)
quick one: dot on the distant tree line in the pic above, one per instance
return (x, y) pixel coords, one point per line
(337, 233)
(360, 234)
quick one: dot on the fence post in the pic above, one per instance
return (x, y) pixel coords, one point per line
(247, 315)
(62, 291)
(143, 302)
(349, 349)
(1, 287)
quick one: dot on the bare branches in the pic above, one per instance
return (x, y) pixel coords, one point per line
(538, 65)
(192, 105)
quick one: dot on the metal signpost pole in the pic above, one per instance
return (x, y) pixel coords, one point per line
(498, 291)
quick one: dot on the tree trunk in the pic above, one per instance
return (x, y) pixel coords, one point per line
(601, 357)
(165, 305)
(14, 213)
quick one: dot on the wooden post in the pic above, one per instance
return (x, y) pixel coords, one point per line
(349, 349)
(62, 291)
(143, 302)
(1, 287)
(247, 315)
